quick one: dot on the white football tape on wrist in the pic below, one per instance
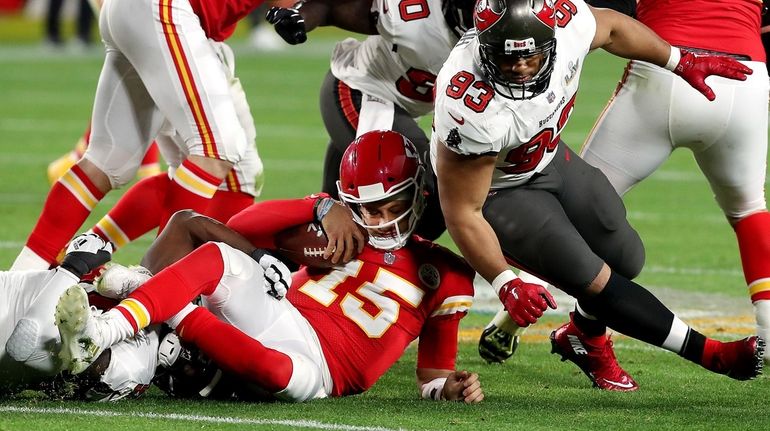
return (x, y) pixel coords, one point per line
(434, 389)
(673, 59)
(501, 279)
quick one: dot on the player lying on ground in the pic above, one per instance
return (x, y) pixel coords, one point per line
(30, 341)
(338, 329)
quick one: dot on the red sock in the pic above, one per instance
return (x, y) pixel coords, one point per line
(191, 188)
(236, 352)
(753, 234)
(226, 204)
(137, 212)
(170, 290)
(67, 206)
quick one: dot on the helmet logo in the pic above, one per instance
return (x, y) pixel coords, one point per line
(512, 46)
(484, 16)
(547, 14)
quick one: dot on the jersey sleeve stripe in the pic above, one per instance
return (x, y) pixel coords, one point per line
(453, 304)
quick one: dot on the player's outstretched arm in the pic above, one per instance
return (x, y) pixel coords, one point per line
(629, 38)
(293, 23)
(185, 231)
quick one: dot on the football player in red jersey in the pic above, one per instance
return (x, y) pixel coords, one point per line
(339, 329)
(652, 113)
(159, 65)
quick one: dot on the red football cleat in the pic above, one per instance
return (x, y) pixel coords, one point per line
(740, 360)
(594, 355)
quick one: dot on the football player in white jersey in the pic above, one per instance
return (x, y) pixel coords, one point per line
(30, 340)
(510, 189)
(385, 81)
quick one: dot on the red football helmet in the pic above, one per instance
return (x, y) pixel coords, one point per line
(383, 165)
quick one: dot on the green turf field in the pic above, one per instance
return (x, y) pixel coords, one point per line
(692, 262)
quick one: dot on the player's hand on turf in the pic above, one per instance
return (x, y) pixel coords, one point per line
(463, 386)
(696, 68)
(277, 274)
(525, 302)
(85, 253)
(346, 239)
(288, 23)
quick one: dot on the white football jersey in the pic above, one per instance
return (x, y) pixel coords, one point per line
(471, 119)
(401, 62)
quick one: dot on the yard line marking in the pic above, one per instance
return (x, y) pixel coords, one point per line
(197, 418)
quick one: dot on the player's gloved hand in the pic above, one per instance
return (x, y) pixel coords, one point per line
(85, 253)
(277, 274)
(288, 23)
(525, 302)
(696, 68)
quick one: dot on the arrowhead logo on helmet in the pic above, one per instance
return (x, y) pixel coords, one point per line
(484, 16)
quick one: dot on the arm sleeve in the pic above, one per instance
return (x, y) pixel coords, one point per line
(261, 221)
(437, 347)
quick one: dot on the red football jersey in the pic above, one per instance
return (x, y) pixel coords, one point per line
(367, 312)
(219, 17)
(730, 26)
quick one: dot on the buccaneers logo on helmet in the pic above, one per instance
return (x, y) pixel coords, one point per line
(484, 16)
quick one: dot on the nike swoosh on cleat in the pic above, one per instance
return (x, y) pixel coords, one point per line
(622, 385)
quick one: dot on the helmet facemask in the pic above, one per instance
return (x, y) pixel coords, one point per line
(514, 90)
(388, 235)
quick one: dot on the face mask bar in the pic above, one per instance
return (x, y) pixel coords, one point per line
(537, 85)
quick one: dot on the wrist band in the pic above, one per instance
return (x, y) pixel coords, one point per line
(501, 279)
(673, 59)
(322, 208)
(434, 389)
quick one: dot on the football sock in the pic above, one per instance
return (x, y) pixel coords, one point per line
(753, 233)
(235, 351)
(632, 310)
(226, 204)
(169, 291)
(67, 206)
(588, 324)
(191, 188)
(137, 212)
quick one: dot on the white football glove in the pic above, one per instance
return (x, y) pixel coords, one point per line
(277, 274)
(85, 253)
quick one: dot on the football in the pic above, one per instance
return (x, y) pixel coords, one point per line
(304, 244)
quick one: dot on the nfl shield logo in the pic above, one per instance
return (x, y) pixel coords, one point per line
(550, 97)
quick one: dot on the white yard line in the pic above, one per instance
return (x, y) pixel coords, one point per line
(194, 418)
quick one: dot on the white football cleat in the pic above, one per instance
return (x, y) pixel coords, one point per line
(118, 281)
(80, 331)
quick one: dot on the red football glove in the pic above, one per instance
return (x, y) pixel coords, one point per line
(525, 302)
(696, 68)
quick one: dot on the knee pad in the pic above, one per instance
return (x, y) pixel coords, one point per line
(306, 382)
(23, 342)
